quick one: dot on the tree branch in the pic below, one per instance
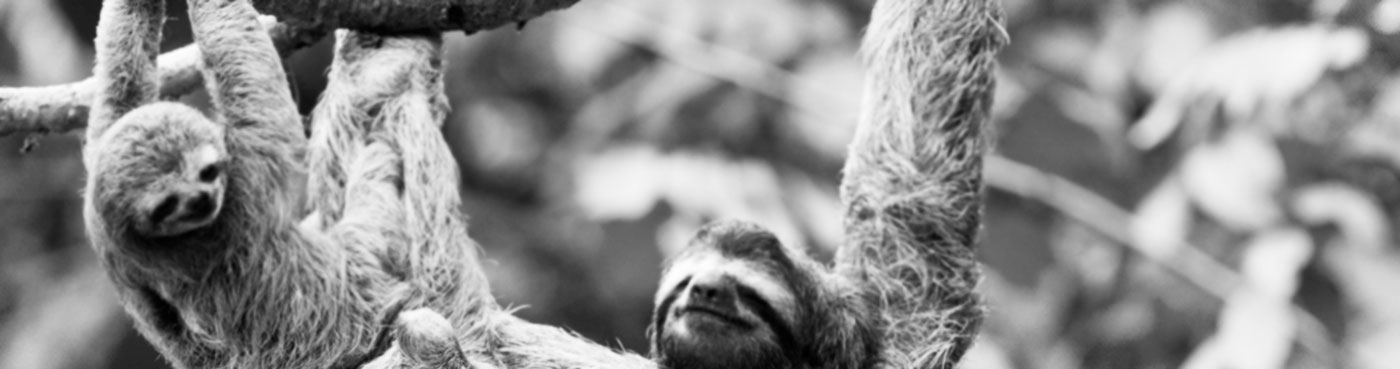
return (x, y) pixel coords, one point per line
(393, 16)
(59, 108)
(63, 108)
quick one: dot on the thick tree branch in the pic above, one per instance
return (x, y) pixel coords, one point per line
(63, 108)
(390, 16)
(59, 108)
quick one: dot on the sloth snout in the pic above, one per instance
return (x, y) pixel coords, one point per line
(181, 211)
(715, 292)
(200, 207)
(708, 293)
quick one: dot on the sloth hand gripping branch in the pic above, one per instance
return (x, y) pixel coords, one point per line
(195, 218)
(901, 293)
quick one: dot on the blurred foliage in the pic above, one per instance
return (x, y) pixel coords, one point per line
(1180, 183)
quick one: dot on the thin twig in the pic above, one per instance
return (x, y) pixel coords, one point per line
(1104, 217)
(714, 60)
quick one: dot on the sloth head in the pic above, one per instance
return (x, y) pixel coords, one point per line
(159, 171)
(736, 298)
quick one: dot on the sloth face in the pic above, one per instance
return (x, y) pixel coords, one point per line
(162, 172)
(727, 301)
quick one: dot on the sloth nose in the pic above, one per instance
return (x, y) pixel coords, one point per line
(713, 291)
(184, 206)
(200, 206)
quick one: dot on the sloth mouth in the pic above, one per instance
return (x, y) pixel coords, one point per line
(727, 316)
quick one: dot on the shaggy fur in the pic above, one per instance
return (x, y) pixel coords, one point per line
(249, 288)
(254, 289)
(901, 294)
(830, 325)
(913, 179)
(391, 88)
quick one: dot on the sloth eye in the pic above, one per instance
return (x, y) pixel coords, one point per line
(209, 173)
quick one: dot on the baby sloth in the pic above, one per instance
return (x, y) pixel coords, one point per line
(735, 297)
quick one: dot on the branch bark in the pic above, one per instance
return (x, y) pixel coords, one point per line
(58, 108)
(394, 16)
(63, 108)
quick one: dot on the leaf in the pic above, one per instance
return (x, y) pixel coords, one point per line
(1272, 260)
(713, 186)
(816, 208)
(626, 183)
(1061, 48)
(1363, 224)
(505, 136)
(586, 47)
(618, 184)
(1365, 267)
(1235, 179)
(1386, 17)
(1162, 221)
(827, 101)
(1261, 69)
(1369, 282)
(986, 354)
(1173, 36)
(1256, 326)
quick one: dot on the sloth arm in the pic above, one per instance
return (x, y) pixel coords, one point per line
(244, 77)
(912, 188)
(128, 40)
(373, 220)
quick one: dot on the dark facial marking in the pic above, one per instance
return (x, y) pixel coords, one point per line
(201, 206)
(765, 311)
(209, 174)
(719, 299)
(753, 244)
(663, 309)
(162, 211)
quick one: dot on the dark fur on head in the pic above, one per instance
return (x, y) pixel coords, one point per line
(817, 320)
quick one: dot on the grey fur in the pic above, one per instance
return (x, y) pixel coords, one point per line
(389, 89)
(253, 288)
(832, 326)
(913, 178)
(912, 192)
(901, 294)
